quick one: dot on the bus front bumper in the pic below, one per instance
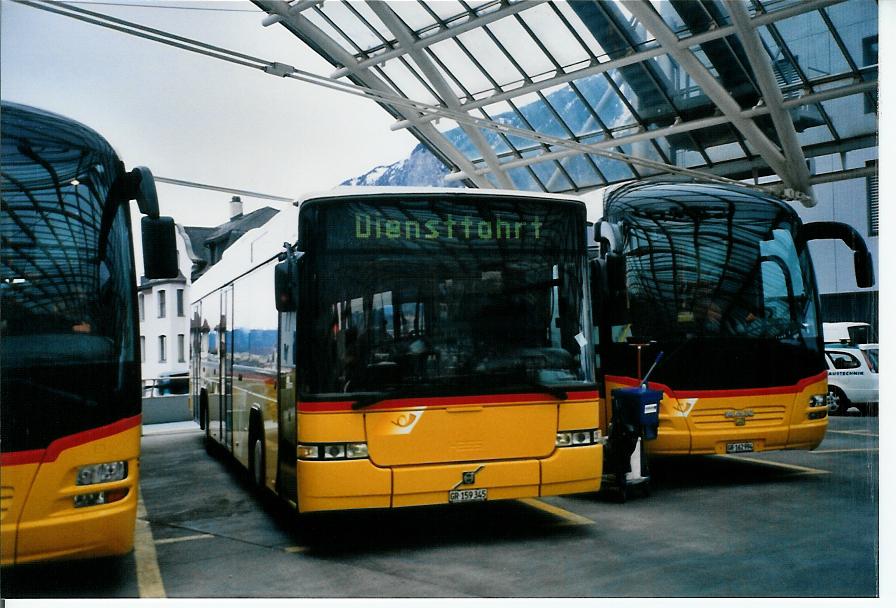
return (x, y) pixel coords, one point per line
(359, 484)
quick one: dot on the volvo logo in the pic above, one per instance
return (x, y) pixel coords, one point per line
(468, 478)
(739, 416)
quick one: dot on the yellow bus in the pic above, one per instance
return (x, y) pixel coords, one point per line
(70, 389)
(719, 280)
(406, 347)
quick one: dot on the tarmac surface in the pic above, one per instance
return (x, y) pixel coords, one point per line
(773, 525)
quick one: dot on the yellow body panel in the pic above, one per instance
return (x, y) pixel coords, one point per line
(707, 424)
(461, 434)
(44, 524)
(419, 454)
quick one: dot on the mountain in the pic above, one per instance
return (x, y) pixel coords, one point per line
(421, 168)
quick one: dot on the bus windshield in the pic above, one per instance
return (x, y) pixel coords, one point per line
(718, 272)
(431, 297)
(66, 288)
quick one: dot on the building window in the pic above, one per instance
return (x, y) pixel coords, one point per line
(161, 303)
(140, 306)
(142, 349)
(873, 212)
(180, 348)
(163, 349)
(180, 302)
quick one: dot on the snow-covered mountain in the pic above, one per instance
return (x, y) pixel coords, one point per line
(421, 168)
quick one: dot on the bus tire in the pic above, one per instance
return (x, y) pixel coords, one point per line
(839, 402)
(256, 453)
(203, 410)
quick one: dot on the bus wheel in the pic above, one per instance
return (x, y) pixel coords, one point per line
(839, 401)
(256, 460)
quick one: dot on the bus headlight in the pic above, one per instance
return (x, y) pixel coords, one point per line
(819, 400)
(101, 473)
(331, 451)
(99, 498)
(575, 438)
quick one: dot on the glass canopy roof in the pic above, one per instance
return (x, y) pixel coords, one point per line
(570, 96)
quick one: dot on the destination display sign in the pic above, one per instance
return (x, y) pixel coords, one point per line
(489, 222)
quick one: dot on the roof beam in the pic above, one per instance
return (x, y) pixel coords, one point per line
(421, 43)
(599, 68)
(684, 127)
(771, 95)
(291, 9)
(333, 49)
(649, 18)
(406, 39)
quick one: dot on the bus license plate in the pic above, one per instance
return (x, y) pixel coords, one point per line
(467, 495)
(742, 446)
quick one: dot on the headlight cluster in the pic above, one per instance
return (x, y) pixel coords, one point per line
(819, 401)
(331, 451)
(101, 473)
(575, 438)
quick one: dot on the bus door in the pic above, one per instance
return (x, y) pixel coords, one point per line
(227, 365)
(286, 399)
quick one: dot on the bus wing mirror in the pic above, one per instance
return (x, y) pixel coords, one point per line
(863, 262)
(608, 291)
(285, 285)
(609, 236)
(159, 247)
(142, 187)
(864, 268)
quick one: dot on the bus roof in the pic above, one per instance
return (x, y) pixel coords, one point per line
(363, 191)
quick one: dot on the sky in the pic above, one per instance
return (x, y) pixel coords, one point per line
(191, 117)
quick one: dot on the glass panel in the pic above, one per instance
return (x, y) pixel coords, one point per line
(540, 116)
(454, 59)
(413, 14)
(522, 179)
(356, 31)
(855, 21)
(552, 33)
(850, 116)
(341, 39)
(613, 170)
(811, 43)
(552, 177)
(582, 30)
(492, 59)
(410, 85)
(520, 45)
(643, 94)
(449, 10)
(605, 102)
(575, 114)
(581, 171)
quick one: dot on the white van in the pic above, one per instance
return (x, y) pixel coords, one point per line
(847, 332)
(852, 377)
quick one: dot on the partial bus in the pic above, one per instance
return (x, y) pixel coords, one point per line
(719, 280)
(70, 390)
(406, 347)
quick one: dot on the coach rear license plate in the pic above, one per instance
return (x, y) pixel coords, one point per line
(476, 495)
(740, 446)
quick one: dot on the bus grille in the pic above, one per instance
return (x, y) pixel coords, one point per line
(721, 417)
(6, 493)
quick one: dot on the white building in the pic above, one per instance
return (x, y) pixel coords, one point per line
(165, 321)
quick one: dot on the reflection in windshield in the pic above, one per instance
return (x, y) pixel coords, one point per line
(716, 268)
(398, 321)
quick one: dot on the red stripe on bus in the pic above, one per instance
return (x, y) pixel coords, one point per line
(737, 392)
(70, 441)
(428, 402)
